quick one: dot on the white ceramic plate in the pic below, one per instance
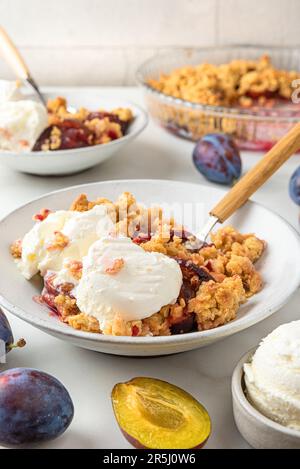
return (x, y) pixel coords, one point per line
(64, 162)
(279, 266)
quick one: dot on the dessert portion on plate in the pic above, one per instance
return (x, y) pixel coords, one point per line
(120, 268)
(26, 125)
(241, 83)
(81, 128)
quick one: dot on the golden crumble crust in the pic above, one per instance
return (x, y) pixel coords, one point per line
(217, 303)
(243, 267)
(116, 266)
(102, 129)
(239, 82)
(66, 306)
(75, 269)
(84, 322)
(16, 249)
(228, 239)
(60, 241)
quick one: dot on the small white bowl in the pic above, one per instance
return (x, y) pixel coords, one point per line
(63, 162)
(259, 431)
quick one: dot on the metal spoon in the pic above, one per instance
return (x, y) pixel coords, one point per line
(253, 179)
(10, 53)
(13, 57)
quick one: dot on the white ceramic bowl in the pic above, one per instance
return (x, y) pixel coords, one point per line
(63, 162)
(283, 249)
(259, 431)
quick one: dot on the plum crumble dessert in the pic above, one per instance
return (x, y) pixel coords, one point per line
(251, 100)
(241, 83)
(26, 125)
(81, 129)
(121, 268)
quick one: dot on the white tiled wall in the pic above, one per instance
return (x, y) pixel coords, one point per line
(103, 41)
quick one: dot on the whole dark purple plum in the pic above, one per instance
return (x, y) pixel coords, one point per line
(5, 331)
(34, 407)
(217, 157)
(294, 186)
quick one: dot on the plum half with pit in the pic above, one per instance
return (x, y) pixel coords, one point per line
(34, 407)
(294, 186)
(217, 157)
(154, 414)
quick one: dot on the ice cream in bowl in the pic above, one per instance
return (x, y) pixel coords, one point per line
(266, 391)
(21, 120)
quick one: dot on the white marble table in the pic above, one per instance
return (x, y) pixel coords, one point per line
(90, 376)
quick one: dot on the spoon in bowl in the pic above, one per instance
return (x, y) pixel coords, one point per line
(13, 57)
(253, 180)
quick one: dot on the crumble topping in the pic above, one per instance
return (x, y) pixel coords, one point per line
(66, 306)
(115, 267)
(60, 241)
(240, 82)
(75, 269)
(217, 303)
(83, 322)
(229, 240)
(16, 249)
(81, 128)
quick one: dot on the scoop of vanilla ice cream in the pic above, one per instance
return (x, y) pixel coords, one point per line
(35, 241)
(145, 282)
(273, 376)
(81, 230)
(21, 123)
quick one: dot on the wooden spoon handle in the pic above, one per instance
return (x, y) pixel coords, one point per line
(12, 56)
(258, 175)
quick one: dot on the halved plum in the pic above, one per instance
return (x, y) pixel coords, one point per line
(154, 414)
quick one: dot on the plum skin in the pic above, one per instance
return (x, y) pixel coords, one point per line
(34, 407)
(5, 331)
(217, 157)
(294, 186)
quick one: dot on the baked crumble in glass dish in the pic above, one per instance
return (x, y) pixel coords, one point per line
(120, 268)
(243, 91)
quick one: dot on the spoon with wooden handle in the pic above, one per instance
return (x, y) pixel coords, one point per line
(13, 57)
(253, 180)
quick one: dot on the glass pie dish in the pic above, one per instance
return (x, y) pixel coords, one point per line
(256, 128)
